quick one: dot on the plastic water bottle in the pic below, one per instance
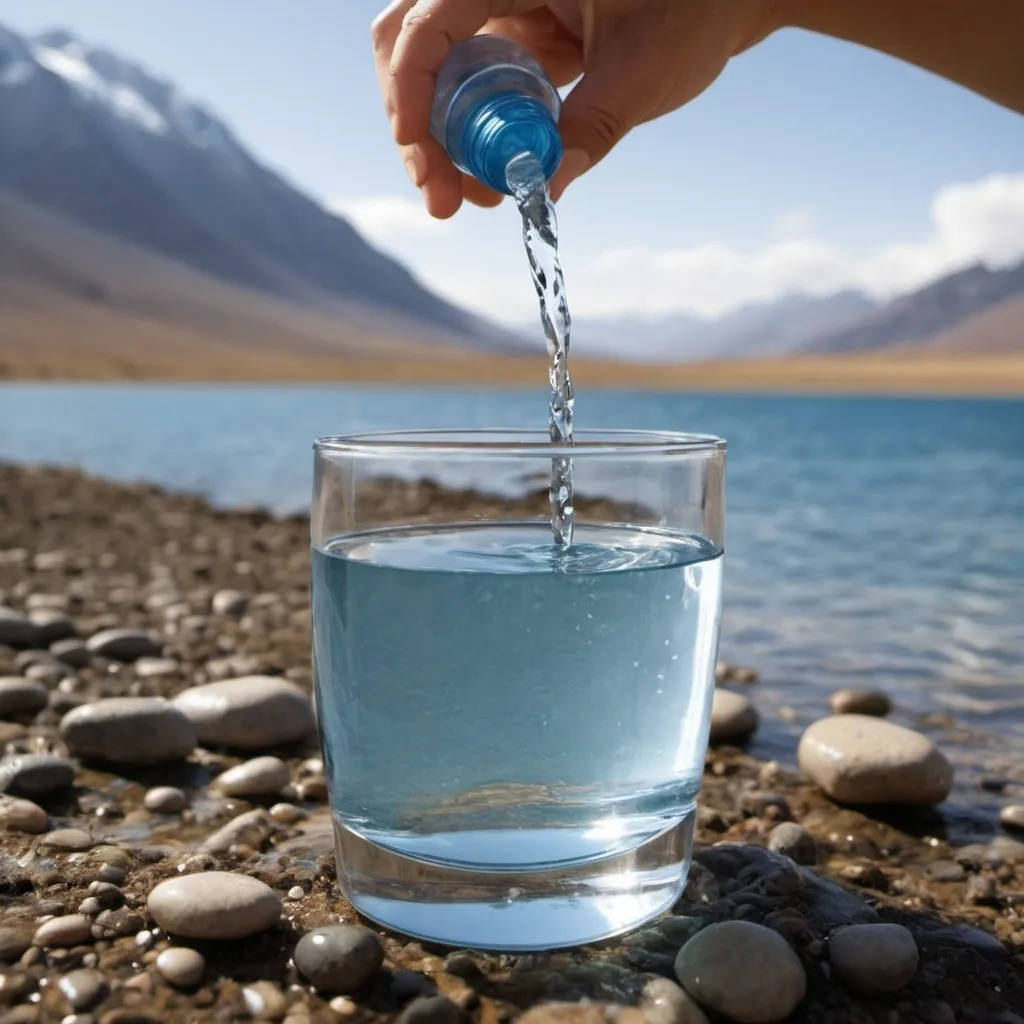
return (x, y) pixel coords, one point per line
(495, 105)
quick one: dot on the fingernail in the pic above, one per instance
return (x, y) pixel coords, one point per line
(414, 166)
(574, 163)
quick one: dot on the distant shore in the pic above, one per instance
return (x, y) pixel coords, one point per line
(881, 374)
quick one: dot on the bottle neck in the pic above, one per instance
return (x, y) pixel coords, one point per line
(505, 127)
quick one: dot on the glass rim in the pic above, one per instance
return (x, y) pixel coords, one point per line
(497, 442)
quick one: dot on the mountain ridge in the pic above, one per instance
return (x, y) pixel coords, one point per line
(98, 140)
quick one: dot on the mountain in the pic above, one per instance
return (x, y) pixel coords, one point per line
(633, 338)
(70, 295)
(96, 139)
(770, 328)
(931, 311)
(997, 330)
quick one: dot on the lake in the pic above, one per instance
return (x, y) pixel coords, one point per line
(870, 542)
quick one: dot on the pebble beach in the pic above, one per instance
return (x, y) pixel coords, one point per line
(166, 844)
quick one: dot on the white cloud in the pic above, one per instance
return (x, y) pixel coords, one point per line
(389, 220)
(969, 222)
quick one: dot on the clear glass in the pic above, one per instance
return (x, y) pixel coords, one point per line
(514, 733)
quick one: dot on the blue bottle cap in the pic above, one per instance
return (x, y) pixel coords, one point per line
(504, 126)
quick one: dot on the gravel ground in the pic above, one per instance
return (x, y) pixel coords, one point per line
(193, 880)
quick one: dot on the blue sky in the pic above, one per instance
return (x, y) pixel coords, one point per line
(810, 164)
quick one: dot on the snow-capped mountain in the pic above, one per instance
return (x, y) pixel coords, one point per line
(94, 137)
(128, 92)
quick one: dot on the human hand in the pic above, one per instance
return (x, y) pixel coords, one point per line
(638, 59)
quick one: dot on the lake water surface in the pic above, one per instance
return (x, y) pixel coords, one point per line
(869, 542)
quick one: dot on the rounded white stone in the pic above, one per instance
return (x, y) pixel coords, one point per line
(858, 759)
(261, 776)
(214, 905)
(17, 815)
(248, 713)
(733, 717)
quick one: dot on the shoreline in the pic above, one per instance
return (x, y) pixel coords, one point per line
(968, 375)
(213, 594)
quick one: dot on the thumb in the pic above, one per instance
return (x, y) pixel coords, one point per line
(605, 104)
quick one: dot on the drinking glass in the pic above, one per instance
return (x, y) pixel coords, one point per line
(514, 731)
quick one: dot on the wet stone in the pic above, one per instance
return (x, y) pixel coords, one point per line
(857, 759)
(84, 989)
(339, 958)
(72, 652)
(67, 840)
(90, 906)
(129, 730)
(71, 930)
(313, 790)
(13, 943)
(35, 775)
(793, 841)
(431, 1010)
(123, 644)
(20, 696)
(16, 630)
(264, 1001)
(19, 815)
(874, 959)
(664, 1002)
(112, 873)
(48, 673)
(262, 776)
(112, 924)
(287, 814)
(724, 967)
(181, 967)
(966, 935)
(677, 931)
(1012, 817)
(462, 965)
(156, 668)
(733, 717)
(14, 987)
(407, 985)
(250, 828)
(165, 800)
(860, 702)
(53, 625)
(231, 603)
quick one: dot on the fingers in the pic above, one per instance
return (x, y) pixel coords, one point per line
(428, 31)
(383, 34)
(437, 178)
(478, 193)
(619, 91)
(558, 49)
(411, 40)
(596, 117)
